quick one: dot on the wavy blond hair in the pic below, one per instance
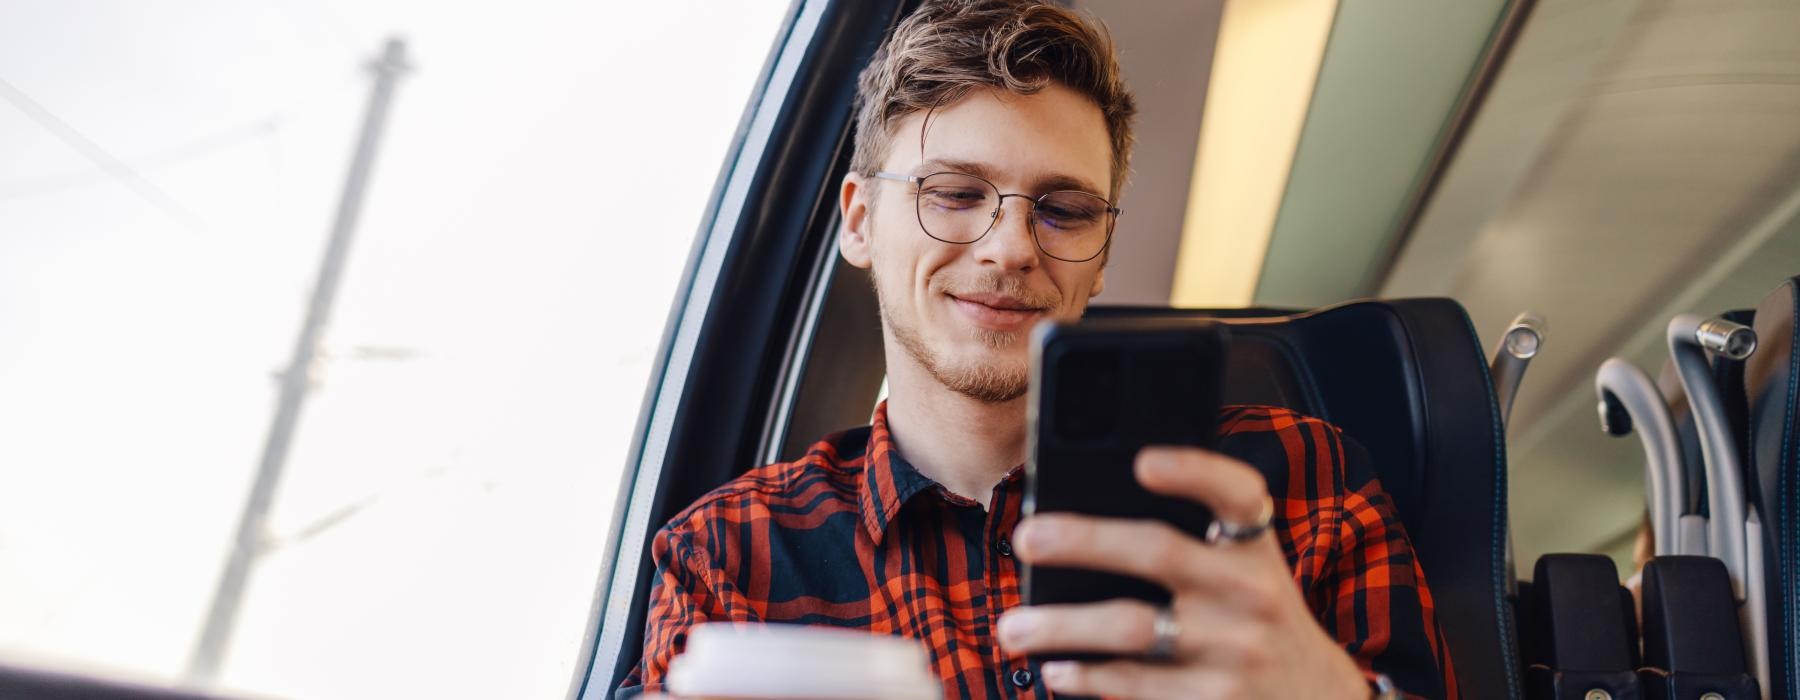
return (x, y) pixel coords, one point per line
(948, 47)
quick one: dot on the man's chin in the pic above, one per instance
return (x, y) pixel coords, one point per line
(1005, 342)
(987, 388)
(987, 365)
(979, 376)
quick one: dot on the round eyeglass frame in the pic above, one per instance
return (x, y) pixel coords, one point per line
(1030, 220)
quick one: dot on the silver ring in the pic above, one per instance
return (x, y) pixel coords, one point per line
(1222, 531)
(1165, 631)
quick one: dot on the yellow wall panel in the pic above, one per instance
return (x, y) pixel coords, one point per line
(1263, 73)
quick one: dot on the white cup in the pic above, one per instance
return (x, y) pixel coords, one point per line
(792, 662)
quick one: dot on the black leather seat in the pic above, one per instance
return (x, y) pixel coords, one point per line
(1774, 446)
(1408, 379)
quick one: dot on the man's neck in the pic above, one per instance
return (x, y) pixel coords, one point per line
(964, 444)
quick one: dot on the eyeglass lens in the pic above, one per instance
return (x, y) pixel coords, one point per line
(957, 208)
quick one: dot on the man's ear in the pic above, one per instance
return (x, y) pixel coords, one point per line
(1099, 282)
(853, 208)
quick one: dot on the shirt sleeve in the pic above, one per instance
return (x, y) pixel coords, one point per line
(1371, 592)
(1350, 554)
(679, 599)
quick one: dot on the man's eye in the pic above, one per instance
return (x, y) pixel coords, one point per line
(1063, 217)
(953, 198)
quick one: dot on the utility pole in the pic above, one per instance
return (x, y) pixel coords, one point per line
(228, 597)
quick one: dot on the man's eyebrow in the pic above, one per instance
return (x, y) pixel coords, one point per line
(1050, 183)
(1067, 182)
(967, 167)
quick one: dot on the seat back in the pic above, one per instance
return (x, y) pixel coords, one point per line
(1728, 375)
(1770, 377)
(1408, 379)
(1577, 629)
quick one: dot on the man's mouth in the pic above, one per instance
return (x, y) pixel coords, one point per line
(996, 311)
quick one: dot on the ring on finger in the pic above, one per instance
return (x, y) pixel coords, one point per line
(1165, 633)
(1222, 531)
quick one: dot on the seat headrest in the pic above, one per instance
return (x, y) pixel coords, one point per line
(1773, 443)
(1408, 380)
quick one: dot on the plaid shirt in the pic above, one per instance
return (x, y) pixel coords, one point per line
(851, 535)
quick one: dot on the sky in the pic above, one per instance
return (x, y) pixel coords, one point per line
(168, 174)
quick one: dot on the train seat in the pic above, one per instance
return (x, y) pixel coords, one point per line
(1408, 379)
(1770, 376)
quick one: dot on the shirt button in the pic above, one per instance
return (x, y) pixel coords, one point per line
(1003, 547)
(1021, 678)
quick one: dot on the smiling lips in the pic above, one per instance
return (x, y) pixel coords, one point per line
(996, 311)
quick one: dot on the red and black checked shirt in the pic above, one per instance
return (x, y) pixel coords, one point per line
(851, 535)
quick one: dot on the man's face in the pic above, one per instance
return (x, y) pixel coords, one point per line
(965, 312)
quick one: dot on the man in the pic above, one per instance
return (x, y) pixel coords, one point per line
(993, 137)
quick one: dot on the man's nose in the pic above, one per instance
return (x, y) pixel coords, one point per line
(1009, 244)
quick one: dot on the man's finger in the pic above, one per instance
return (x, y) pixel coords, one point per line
(1235, 491)
(1120, 626)
(1148, 549)
(1115, 627)
(1134, 679)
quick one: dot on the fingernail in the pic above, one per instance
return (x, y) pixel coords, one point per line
(1057, 672)
(1017, 625)
(1034, 537)
(1153, 463)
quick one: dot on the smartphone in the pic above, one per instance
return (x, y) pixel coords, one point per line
(1100, 391)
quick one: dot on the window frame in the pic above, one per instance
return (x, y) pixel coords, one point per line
(729, 381)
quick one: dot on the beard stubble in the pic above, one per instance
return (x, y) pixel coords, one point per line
(993, 378)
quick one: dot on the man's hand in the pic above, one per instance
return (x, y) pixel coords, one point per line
(1245, 631)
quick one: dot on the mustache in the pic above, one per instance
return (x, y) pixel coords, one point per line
(995, 283)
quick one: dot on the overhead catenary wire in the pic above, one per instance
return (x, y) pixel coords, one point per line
(112, 165)
(262, 127)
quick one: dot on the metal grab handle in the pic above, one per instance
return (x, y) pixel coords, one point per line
(1523, 338)
(1521, 342)
(1630, 401)
(1732, 527)
(1690, 337)
(1735, 341)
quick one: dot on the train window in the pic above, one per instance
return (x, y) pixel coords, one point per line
(255, 437)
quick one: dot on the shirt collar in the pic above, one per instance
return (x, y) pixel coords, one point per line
(889, 481)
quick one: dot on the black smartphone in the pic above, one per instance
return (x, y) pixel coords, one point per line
(1100, 391)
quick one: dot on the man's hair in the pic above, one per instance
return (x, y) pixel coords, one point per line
(949, 47)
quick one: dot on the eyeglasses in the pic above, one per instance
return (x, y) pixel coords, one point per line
(960, 208)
